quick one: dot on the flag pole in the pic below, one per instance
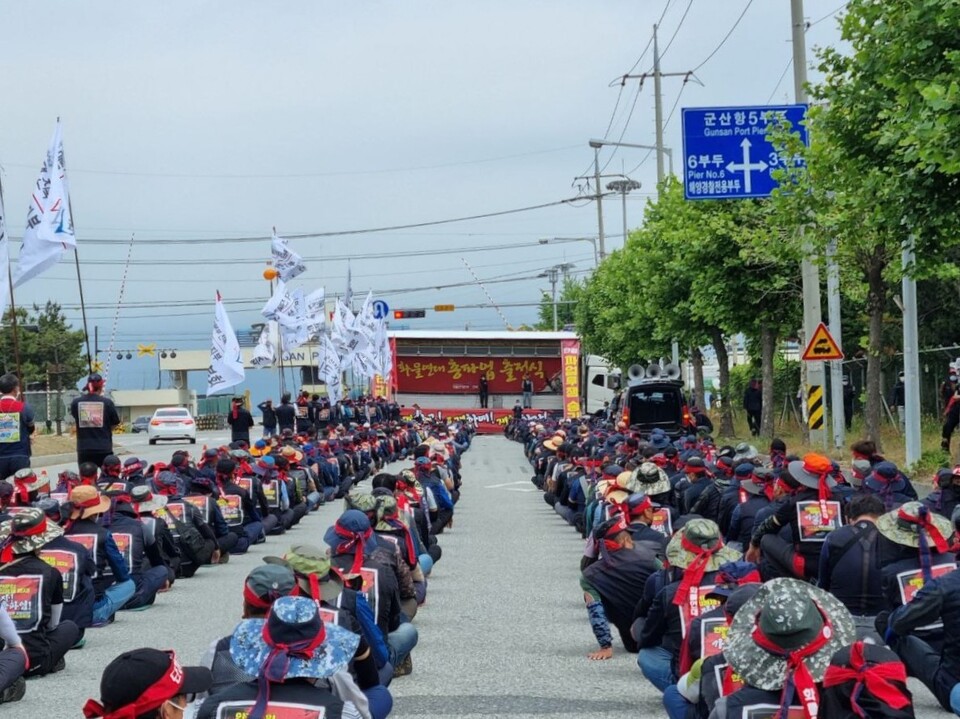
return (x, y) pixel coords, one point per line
(76, 259)
(13, 304)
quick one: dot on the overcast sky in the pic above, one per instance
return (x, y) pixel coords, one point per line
(207, 120)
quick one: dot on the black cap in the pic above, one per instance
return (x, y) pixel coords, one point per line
(226, 466)
(111, 460)
(130, 675)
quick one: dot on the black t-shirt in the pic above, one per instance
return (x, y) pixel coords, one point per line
(286, 415)
(96, 416)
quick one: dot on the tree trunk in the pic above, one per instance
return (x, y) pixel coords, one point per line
(876, 301)
(768, 348)
(726, 407)
(699, 394)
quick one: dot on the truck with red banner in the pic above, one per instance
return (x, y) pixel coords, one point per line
(440, 372)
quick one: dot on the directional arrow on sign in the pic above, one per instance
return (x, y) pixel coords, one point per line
(746, 167)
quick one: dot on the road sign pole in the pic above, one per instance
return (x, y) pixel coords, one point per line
(836, 366)
(911, 356)
(658, 109)
(809, 272)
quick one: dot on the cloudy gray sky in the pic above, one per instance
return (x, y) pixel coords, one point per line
(201, 121)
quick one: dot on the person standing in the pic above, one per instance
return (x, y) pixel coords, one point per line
(848, 402)
(753, 405)
(269, 417)
(16, 427)
(948, 388)
(95, 417)
(898, 400)
(484, 392)
(526, 386)
(240, 421)
(286, 414)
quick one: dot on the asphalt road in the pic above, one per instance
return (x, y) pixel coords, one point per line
(504, 632)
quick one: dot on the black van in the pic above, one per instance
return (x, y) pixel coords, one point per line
(657, 403)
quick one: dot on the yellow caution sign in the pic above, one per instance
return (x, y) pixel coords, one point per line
(815, 406)
(146, 350)
(97, 366)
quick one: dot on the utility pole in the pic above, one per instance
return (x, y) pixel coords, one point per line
(836, 329)
(809, 272)
(911, 354)
(599, 196)
(658, 102)
(552, 274)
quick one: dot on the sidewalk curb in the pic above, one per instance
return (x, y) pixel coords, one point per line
(48, 459)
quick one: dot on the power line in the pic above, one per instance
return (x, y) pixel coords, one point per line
(666, 124)
(371, 230)
(679, 25)
(725, 37)
(827, 16)
(780, 81)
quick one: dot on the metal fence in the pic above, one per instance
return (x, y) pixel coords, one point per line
(51, 405)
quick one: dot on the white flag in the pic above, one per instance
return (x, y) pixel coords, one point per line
(49, 220)
(4, 262)
(316, 312)
(226, 366)
(282, 308)
(329, 369)
(287, 262)
(265, 353)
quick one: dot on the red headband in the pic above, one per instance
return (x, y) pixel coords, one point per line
(798, 676)
(823, 468)
(31, 531)
(166, 687)
(258, 602)
(878, 679)
(92, 502)
(355, 541)
(925, 524)
(689, 589)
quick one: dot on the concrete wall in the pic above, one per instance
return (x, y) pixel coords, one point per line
(132, 403)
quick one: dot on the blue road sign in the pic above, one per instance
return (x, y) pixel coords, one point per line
(726, 154)
(380, 309)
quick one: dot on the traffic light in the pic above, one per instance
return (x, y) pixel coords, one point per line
(409, 314)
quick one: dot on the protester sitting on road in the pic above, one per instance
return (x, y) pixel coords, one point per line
(262, 587)
(780, 644)
(148, 567)
(851, 564)
(45, 637)
(695, 553)
(946, 493)
(147, 683)
(13, 661)
(353, 550)
(288, 652)
(754, 496)
(195, 538)
(155, 530)
(114, 588)
(866, 680)
(809, 496)
(28, 487)
(203, 494)
(613, 585)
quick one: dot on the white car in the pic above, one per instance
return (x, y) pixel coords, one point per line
(172, 423)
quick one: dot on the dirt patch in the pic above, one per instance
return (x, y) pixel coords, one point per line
(47, 444)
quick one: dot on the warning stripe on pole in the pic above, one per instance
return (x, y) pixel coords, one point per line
(815, 406)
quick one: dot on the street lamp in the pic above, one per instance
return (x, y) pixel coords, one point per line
(624, 187)
(553, 274)
(557, 240)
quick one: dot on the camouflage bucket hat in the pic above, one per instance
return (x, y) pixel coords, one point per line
(386, 509)
(292, 619)
(30, 530)
(306, 560)
(651, 479)
(792, 614)
(897, 527)
(704, 533)
(360, 500)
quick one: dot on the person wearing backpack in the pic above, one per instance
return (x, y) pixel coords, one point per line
(155, 530)
(850, 566)
(197, 542)
(113, 584)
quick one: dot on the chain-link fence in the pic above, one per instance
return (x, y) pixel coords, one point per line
(51, 406)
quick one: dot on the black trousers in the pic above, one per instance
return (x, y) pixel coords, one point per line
(12, 666)
(10, 465)
(753, 419)
(96, 456)
(46, 648)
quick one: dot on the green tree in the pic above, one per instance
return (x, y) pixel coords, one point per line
(45, 340)
(883, 164)
(567, 298)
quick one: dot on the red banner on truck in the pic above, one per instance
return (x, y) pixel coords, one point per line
(461, 375)
(488, 421)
